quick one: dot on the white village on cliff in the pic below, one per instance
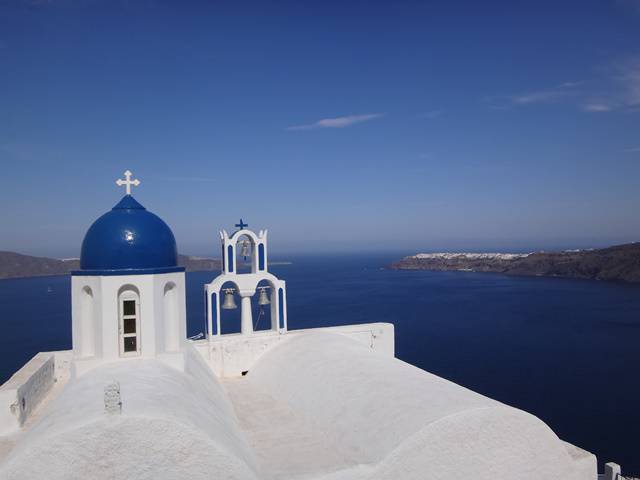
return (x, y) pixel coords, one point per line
(136, 399)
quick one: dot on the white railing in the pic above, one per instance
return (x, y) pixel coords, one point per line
(22, 393)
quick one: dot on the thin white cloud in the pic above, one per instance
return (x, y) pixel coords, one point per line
(617, 88)
(630, 78)
(597, 107)
(431, 114)
(571, 84)
(549, 95)
(622, 88)
(337, 122)
(537, 97)
(544, 96)
(632, 150)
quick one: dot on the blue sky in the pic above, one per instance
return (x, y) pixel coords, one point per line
(340, 126)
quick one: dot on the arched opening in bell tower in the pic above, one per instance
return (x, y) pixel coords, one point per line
(246, 254)
(264, 304)
(229, 308)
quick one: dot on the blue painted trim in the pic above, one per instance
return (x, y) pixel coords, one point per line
(126, 271)
(261, 256)
(214, 317)
(281, 309)
(230, 258)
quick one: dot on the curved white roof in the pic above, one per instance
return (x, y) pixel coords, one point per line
(172, 424)
(319, 405)
(403, 423)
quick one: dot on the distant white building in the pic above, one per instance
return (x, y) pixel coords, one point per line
(136, 399)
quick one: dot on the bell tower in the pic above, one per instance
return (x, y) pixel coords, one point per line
(253, 248)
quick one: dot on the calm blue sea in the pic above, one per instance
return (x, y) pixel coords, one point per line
(567, 351)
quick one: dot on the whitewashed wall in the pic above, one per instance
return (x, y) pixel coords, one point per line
(232, 355)
(160, 332)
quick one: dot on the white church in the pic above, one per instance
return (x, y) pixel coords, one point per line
(136, 399)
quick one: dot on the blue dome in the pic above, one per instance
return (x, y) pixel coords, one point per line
(128, 240)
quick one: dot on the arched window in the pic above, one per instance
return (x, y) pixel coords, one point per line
(171, 324)
(87, 325)
(129, 321)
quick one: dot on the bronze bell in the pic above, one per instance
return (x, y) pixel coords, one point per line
(229, 299)
(244, 249)
(263, 298)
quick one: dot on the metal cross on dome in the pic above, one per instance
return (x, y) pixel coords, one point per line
(242, 225)
(127, 182)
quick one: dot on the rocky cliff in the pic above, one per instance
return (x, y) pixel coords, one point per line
(15, 265)
(621, 262)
